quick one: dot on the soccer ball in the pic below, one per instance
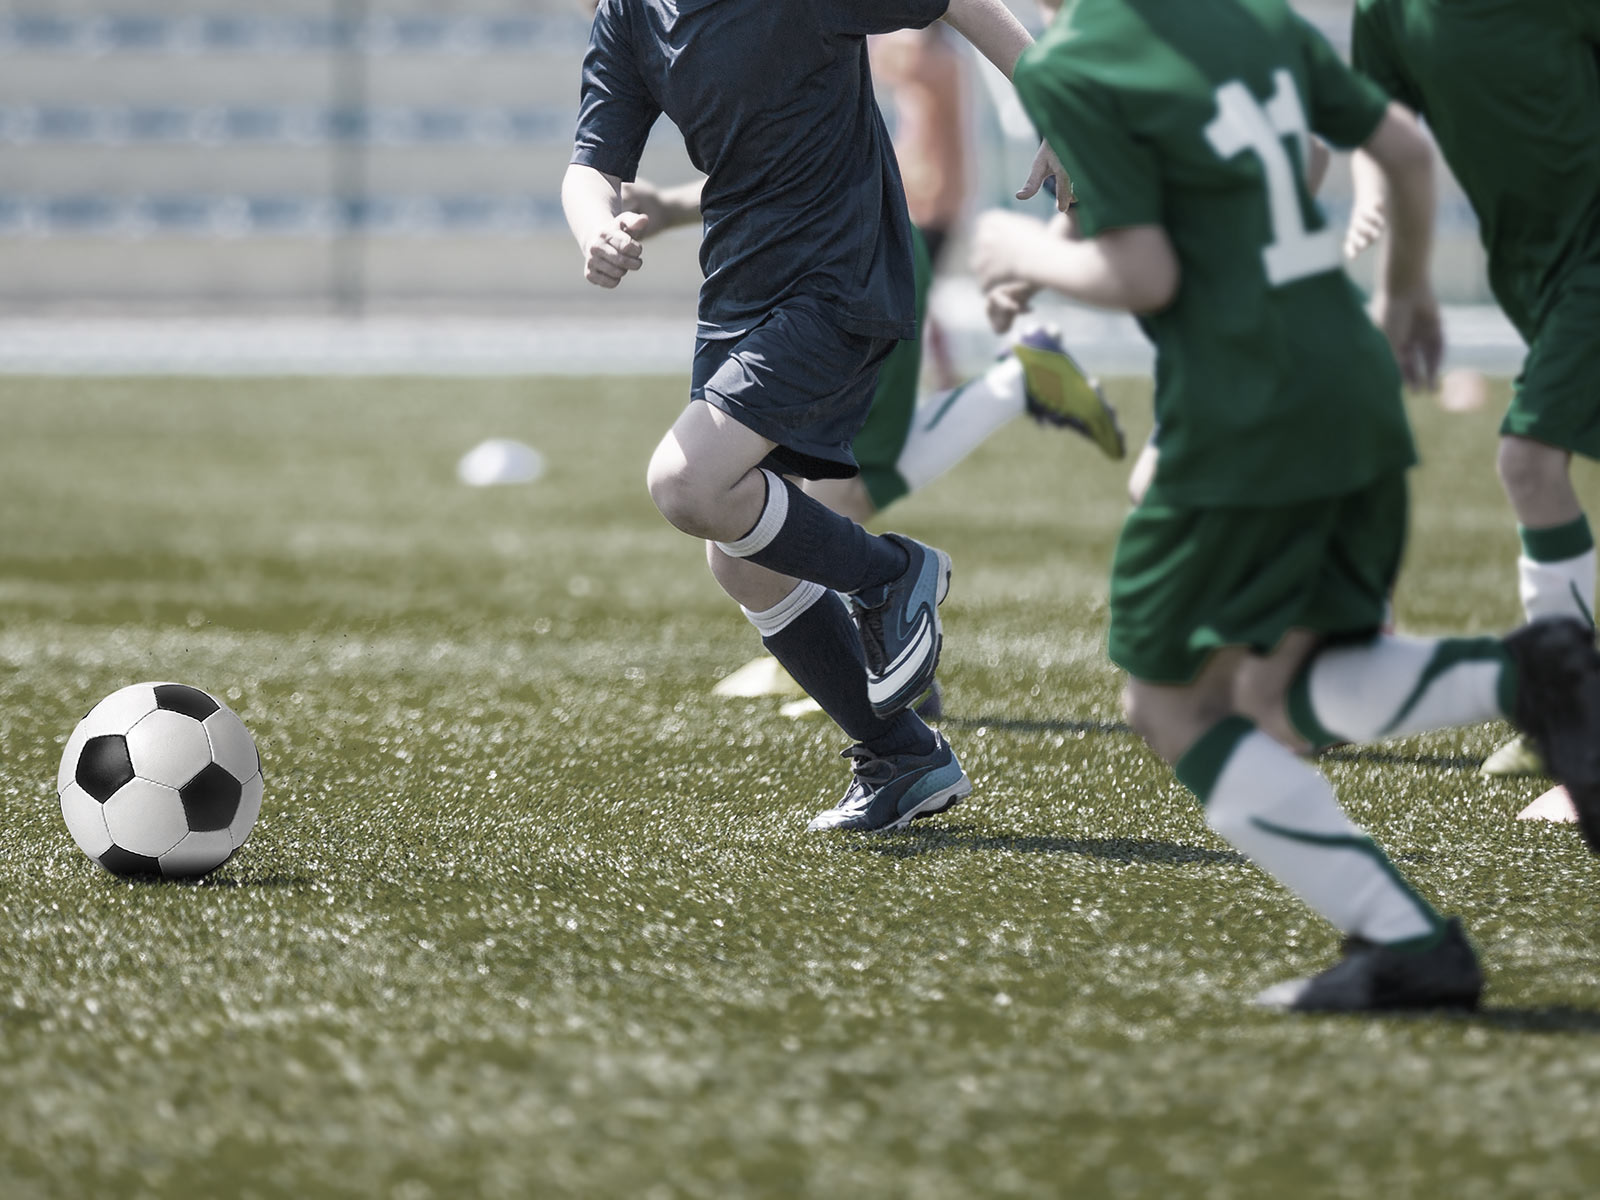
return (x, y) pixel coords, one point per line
(160, 779)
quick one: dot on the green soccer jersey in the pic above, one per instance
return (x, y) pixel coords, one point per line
(1511, 90)
(1272, 386)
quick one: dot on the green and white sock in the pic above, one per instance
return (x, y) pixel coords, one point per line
(1396, 685)
(949, 426)
(1555, 573)
(1284, 816)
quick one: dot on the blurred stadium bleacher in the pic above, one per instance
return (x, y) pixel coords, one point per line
(352, 157)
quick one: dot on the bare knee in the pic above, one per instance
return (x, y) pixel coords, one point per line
(680, 495)
(1535, 477)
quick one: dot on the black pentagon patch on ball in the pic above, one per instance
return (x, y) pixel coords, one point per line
(104, 766)
(181, 698)
(211, 799)
(125, 862)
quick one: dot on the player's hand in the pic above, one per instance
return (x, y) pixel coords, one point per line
(643, 197)
(1415, 332)
(1001, 245)
(1367, 223)
(1005, 303)
(614, 250)
(1047, 166)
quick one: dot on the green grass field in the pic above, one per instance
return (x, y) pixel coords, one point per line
(528, 913)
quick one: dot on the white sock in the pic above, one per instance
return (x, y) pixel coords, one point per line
(1558, 589)
(786, 611)
(1283, 815)
(951, 425)
(1397, 685)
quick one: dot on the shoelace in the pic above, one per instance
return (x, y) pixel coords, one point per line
(870, 621)
(869, 770)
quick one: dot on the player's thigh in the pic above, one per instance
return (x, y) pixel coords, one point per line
(1556, 399)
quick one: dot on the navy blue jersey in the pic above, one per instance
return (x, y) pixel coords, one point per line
(802, 201)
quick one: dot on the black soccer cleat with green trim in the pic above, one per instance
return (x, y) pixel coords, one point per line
(1558, 708)
(1376, 978)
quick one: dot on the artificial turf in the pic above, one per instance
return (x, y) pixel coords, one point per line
(529, 913)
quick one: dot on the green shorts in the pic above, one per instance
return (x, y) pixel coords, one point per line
(1188, 581)
(1557, 397)
(877, 447)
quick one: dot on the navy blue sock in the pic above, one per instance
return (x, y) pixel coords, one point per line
(805, 539)
(822, 650)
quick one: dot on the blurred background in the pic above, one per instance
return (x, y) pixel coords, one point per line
(374, 184)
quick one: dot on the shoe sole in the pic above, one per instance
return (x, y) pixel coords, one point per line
(911, 691)
(1079, 402)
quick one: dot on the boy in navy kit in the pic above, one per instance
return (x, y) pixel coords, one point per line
(808, 285)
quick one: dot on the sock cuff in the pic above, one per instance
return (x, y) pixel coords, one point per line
(773, 514)
(786, 611)
(1201, 764)
(1557, 543)
(1303, 714)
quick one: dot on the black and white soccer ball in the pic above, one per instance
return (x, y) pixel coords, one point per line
(160, 779)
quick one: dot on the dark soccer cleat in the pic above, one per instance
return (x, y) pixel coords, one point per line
(1558, 707)
(899, 626)
(1059, 392)
(890, 793)
(1374, 978)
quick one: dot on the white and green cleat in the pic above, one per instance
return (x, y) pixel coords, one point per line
(1059, 392)
(1518, 757)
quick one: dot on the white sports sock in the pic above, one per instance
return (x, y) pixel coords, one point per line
(1277, 810)
(951, 425)
(1558, 589)
(786, 611)
(1397, 685)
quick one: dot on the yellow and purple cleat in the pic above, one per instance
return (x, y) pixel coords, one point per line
(1059, 391)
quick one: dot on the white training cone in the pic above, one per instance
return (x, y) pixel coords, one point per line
(1554, 805)
(500, 460)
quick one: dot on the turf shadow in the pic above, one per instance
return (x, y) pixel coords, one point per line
(1390, 758)
(1036, 725)
(912, 843)
(249, 881)
(1366, 754)
(1556, 1018)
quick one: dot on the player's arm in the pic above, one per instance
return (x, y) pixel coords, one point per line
(997, 34)
(608, 236)
(1005, 302)
(615, 113)
(665, 208)
(1403, 304)
(1133, 268)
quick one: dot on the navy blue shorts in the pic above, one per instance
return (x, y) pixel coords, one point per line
(797, 380)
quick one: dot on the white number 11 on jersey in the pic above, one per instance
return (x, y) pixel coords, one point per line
(1244, 124)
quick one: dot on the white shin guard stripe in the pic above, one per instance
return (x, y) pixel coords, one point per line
(1283, 815)
(1558, 589)
(1384, 689)
(773, 515)
(784, 613)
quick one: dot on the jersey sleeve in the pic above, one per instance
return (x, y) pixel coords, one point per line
(862, 17)
(1116, 177)
(616, 110)
(1343, 107)
(1373, 54)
